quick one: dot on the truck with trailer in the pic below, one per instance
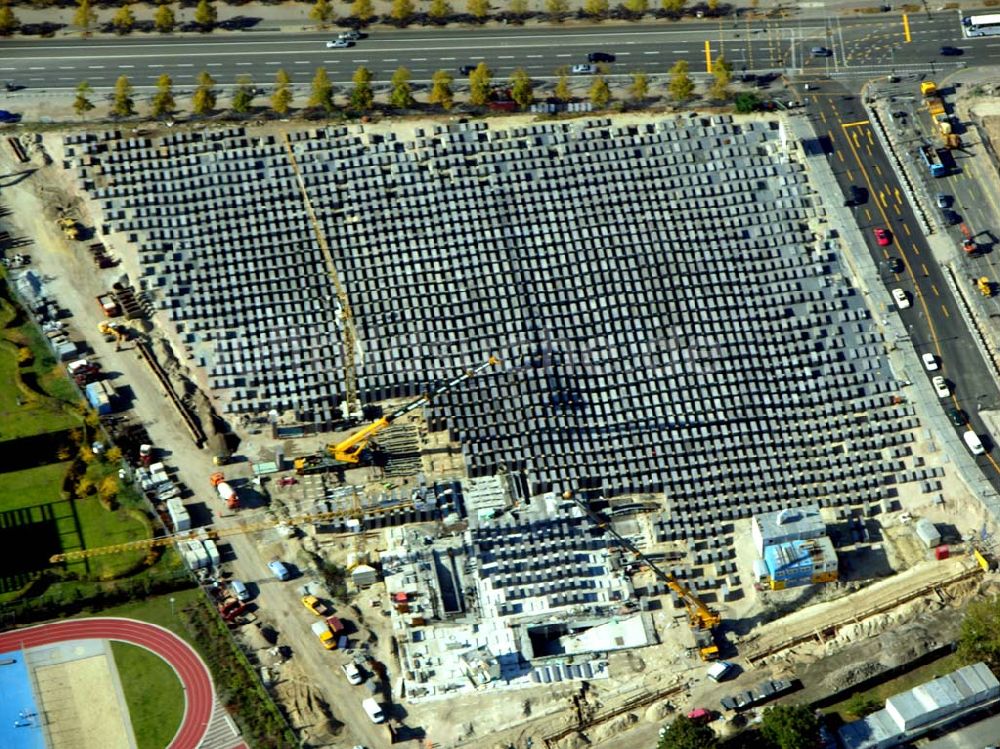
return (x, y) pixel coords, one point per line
(939, 114)
(226, 492)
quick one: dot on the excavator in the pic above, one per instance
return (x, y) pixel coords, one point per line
(69, 226)
(702, 619)
(358, 449)
(116, 331)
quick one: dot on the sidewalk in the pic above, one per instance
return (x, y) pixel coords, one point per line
(293, 17)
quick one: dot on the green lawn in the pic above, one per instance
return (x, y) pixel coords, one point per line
(102, 527)
(153, 693)
(878, 694)
(32, 486)
(157, 610)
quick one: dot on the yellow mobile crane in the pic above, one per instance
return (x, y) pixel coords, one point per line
(702, 619)
(355, 450)
(210, 533)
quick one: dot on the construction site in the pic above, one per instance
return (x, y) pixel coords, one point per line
(578, 407)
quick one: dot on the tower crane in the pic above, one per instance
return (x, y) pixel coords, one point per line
(214, 534)
(355, 449)
(351, 406)
(702, 619)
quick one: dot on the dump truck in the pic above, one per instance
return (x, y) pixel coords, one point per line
(326, 637)
(226, 492)
(931, 159)
(315, 605)
(108, 305)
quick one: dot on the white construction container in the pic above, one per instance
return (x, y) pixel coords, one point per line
(178, 515)
(928, 533)
(212, 550)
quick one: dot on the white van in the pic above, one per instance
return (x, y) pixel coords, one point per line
(373, 709)
(720, 671)
(973, 442)
(239, 590)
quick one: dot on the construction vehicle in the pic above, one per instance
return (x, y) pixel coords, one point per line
(315, 605)
(145, 455)
(84, 372)
(969, 246)
(226, 492)
(984, 286)
(325, 635)
(931, 159)
(359, 448)
(938, 113)
(703, 620)
(114, 332)
(69, 227)
(109, 305)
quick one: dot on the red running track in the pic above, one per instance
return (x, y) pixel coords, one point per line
(194, 676)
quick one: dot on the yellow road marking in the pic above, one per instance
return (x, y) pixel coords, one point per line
(945, 310)
(906, 229)
(923, 267)
(916, 250)
(857, 142)
(859, 123)
(868, 214)
(934, 289)
(881, 197)
(840, 155)
(906, 28)
(708, 56)
(899, 198)
(850, 175)
(869, 134)
(822, 116)
(877, 170)
(868, 148)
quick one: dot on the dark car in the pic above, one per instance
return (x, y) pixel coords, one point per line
(950, 217)
(856, 196)
(951, 52)
(6, 116)
(466, 69)
(958, 417)
(895, 265)
(600, 57)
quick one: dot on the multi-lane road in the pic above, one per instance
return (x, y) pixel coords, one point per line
(860, 46)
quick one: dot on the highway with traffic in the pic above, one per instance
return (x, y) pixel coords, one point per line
(859, 46)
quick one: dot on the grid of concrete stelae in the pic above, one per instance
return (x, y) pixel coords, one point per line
(668, 322)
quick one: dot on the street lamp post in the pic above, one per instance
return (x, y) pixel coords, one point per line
(171, 606)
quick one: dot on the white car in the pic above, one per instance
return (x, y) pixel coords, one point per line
(338, 43)
(352, 36)
(352, 673)
(584, 69)
(930, 362)
(941, 387)
(902, 300)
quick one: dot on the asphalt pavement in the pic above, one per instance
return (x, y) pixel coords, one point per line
(859, 46)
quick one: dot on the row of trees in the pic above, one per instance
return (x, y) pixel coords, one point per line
(781, 727)
(361, 96)
(362, 11)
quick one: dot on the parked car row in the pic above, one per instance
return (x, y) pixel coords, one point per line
(758, 695)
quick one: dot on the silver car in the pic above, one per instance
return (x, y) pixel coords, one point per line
(338, 43)
(584, 69)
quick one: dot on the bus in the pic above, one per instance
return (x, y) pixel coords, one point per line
(986, 25)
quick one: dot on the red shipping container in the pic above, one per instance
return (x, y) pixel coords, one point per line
(941, 552)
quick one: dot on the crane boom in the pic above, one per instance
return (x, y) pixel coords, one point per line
(349, 337)
(699, 615)
(211, 533)
(351, 449)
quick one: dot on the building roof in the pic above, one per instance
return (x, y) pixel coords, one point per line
(799, 557)
(875, 731)
(791, 522)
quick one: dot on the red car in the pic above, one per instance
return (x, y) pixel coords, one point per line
(883, 237)
(700, 715)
